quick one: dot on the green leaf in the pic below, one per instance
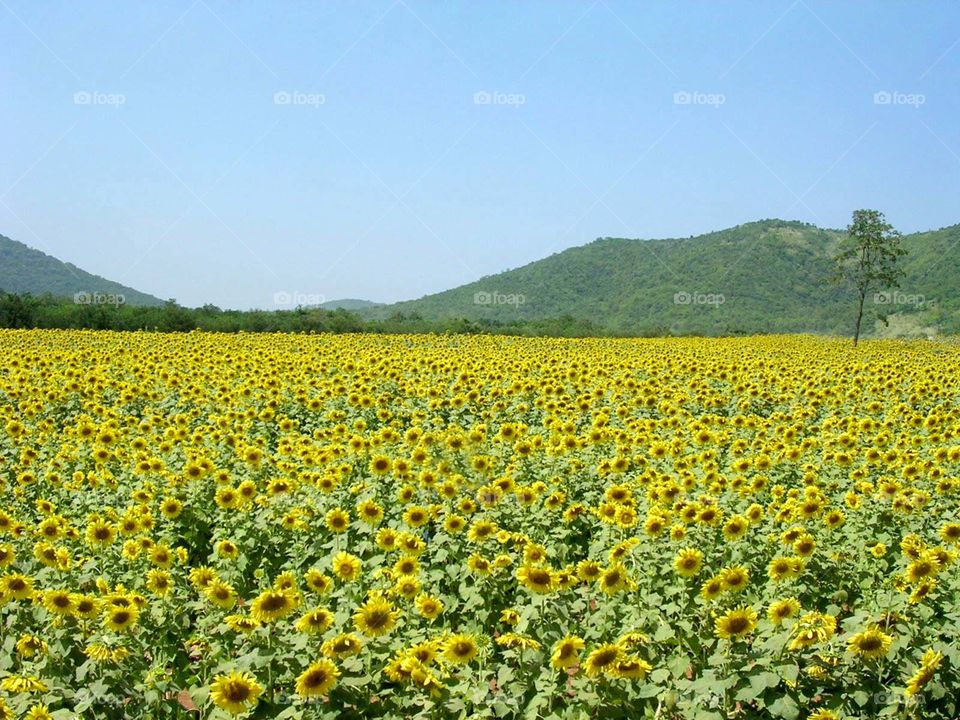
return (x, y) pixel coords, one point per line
(784, 707)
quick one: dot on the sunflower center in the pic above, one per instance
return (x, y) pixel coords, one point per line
(275, 601)
(605, 657)
(236, 692)
(737, 624)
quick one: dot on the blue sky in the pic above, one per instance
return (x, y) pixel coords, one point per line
(226, 152)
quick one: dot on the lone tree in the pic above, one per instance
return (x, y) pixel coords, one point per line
(868, 258)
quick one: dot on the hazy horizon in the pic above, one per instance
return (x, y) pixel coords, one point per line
(224, 154)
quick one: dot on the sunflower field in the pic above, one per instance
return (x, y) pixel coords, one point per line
(311, 526)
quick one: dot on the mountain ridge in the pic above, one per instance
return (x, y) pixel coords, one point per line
(767, 275)
(24, 269)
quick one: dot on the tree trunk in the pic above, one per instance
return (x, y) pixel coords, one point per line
(856, 331)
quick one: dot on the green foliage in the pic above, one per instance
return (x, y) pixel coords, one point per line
(25, 270)
(869, 258)
(774, 276)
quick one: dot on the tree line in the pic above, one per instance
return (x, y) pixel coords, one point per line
(23, 310)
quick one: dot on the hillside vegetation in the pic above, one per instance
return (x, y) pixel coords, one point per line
(25, 270)
(760, 277)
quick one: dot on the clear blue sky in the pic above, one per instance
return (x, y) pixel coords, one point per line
(147, 142)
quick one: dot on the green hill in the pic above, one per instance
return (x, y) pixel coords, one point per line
(759, 277)
(25, 270)
(348, 304)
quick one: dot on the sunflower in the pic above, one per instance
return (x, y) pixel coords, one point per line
(22, 684)
(38, 711)
(603, 660)
(119, 619)
(920, 592)
(100, 534)
(735, 528)
(7, 555)
(460, 649)
(337, 520)
(317, 581)
(517, 641)
(823, 714)
(386, 539)
(342, 645)
(236, 693)
(566, 652)
(30, 645)
(688, 562)
(924, 674)
(925, 566)
(614, 579)
(272, 605)
(241, 623)
(481, 530)
(416, 516)
(86, 607)
(632, 668)
(406, 565)
(59, 602)
(784, 568)
(736, 623)
(804, 545)
(589, 570)
(780, 610)
(370, 512)
(428, 606)
(509, 616)
(318, 679)
(201, 576)
(380, 465)
(871, 643)
(735, 578)
(159, 582)
(315, 621)
(228, 549)
(536, 579)
(375, 617)
(424, 652)
(813, 628)
(712, 588)
(171, 508)
(346, 566)
(221, 594)
(454, 524)
(951, 533)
